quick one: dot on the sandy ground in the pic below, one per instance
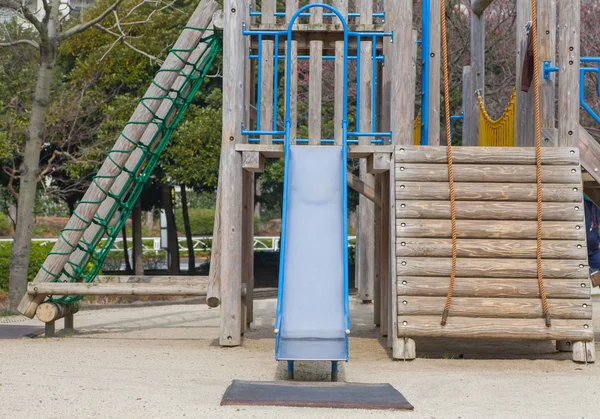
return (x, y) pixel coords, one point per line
(164, 362)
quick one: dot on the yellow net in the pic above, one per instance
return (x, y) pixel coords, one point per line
(501, 132)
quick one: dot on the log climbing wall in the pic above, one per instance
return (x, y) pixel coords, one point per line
(496, 293)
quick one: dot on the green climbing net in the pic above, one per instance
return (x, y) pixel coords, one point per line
(96, 249)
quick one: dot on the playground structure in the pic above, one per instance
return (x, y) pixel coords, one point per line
(485, 242)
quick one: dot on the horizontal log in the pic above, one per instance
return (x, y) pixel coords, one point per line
(51, 311)
(514, 308)
(68, 288)
(493, 287)
(483, 155)
(486, 248)
(363, 188)
(468, 327)
(124, 279)
(477, 210)
(275, 151)
(479, 229)
(421, 172)
(492, 268)
(488, 191)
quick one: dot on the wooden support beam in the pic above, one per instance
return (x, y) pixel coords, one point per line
(253, 161)
(479, 6)
(275, 151)
(525, 116)
(81, 288)
(568, 77)
(123, 279)
(467, 97)
(477, 71)
(379, 163)
(315, 81)
(291, 7)
(248, 247)
(362, 188)
(377, 258)
(268, 70)
(51, 311)
(213, 295)
(231, 173)
(386, 254)
(435, 67)
(342, 7)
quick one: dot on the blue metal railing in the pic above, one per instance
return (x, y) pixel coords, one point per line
(380, 15)
(583, 72)
(377, 138)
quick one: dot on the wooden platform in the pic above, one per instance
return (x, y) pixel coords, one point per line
(496, 293)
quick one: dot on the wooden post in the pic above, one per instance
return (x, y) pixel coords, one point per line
(435, 59)
(385, 252)
(525, 117)
(231, 174)
(268, 49)
(400, 16)
(51, 311)
(50, 329)
(291, 7)
(568, 87)
(477, 71)
(365, 241)
(69, 322)
(467, 97)
(377, 256)
(213, 296)
(248, 246)
(138, 250)
(111, 167)
(547, 52)
(315, 90)
(342, 7)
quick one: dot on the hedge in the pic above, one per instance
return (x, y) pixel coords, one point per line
(201, 222)
(39, 252)
(5, 225)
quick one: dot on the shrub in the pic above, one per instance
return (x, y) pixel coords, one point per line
(39, 252)
(202, 222)
(5, 225)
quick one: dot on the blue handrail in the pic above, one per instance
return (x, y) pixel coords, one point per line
(583, 71)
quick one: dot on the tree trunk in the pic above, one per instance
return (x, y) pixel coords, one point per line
(149, 220)
(30, 170)
(126, 250)
(138, 251)
(172, 241)
(188, 232)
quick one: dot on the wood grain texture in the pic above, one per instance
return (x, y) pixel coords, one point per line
(423, 172)
(248, 247)
(121, 279)
(488, 191)
(386, 254)
(50, 311)
(315, 81)
(342, 7)
(465, 210)
(547, 52)
(590, 153)
(482, 155)
(377, 258)
(492, 268)
(379, 163)
(268, 75)
(491, 248)
(365, 8)
(477, 71)
(568, 75)
(253, 161)
(365, 240)
(291, 7)
(467, 99)
(133, 288)
(584, 352)
(510, 308)
(465, 327)
(364, 189)
(477, 229)
(435, 71)
(493, 287)
(525, 116)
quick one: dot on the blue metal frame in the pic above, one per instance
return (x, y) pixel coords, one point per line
(453, 119)
(288, 126)
(380, 15)
(583, 71)
(548, 69)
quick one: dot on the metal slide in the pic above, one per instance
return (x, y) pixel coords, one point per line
(312, 315)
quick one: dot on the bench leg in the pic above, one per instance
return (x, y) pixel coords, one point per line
(584, 352)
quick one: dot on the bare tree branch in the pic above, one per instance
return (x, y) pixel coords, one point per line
(18, 7)
(123, 38)
(20, 42)
(83, 26)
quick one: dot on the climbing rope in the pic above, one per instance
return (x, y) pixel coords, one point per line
(501, 132)
(538, 160)
(97, 249)
(450, 168)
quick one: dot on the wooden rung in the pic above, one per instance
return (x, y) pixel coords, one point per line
(419, 172)
(551, 211)
(183, 280)
(524, 308)
(492, 268)
(488, 191)
(68, 288)
(468, 327)
(486, 248)
(478, 229)
(493, 287)
(490, 155)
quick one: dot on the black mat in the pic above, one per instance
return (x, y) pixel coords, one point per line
(331, 395)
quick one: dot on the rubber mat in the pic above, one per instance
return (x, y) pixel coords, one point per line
(329, 395)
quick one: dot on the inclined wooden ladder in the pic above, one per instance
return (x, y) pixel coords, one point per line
(496, 293)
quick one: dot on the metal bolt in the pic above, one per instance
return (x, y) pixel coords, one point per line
(402, 186)
(581, 266)
(573, 170)
(571, 48)
(571, 133)
(583, 285)
(233, 10)
(572, 151)
(575, 189)
(404, 282)
(585, 306)
(577, 227)
(405, 302)
(585, 326)
(576, 208)
(405, 323)
(402, 169)
(570, 62)
(403, 263)
(403, 244)
(402, 205)
(403, 225)
(231, 138)
(579, 246)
